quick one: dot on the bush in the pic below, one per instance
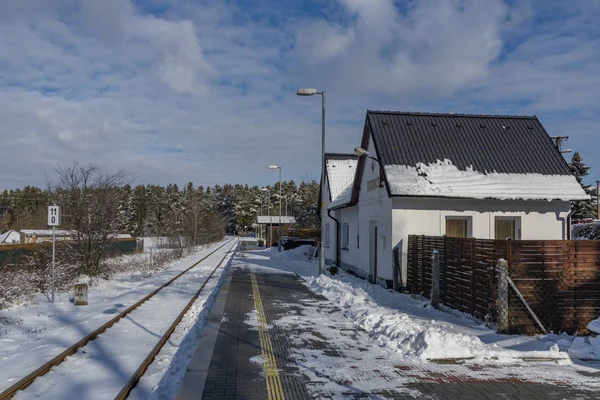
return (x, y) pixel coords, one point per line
(586, 231)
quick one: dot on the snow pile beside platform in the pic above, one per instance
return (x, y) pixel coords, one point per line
(398, 331)
(414, 329)
(301, 253)
(585, 348)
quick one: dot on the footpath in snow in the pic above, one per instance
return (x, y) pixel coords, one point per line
(412, 328)
(31, 335)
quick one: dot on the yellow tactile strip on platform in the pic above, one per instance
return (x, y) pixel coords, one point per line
(274, 387)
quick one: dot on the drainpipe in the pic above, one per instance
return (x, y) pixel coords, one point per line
(337, 239)
(569, 224)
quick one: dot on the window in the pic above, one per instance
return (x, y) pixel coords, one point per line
(326, 235)
(345, 236)
(507, 227)
(459, 227)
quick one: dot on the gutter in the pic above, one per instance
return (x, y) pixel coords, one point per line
(337, 238)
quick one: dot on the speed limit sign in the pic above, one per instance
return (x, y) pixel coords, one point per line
(53, 215)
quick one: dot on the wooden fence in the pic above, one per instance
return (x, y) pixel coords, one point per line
(559, 279)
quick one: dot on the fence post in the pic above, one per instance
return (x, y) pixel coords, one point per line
(397, 277)
(435, 279)
(502, 269)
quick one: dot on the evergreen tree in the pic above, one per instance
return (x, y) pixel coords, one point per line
(581, 209)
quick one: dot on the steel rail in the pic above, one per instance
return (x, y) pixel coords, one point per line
(150, 358)
(44, 369)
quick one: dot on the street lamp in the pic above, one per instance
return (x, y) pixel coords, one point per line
(268, 213)
(279, 229)
(359, 151)
(311, 92)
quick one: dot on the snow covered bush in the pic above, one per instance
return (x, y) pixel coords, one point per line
(586, 231)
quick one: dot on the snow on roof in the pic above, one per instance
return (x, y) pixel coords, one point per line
(265, 219)
(343, 198)
(5, 236)
(45, 232)
(340, 174)
(444, 179)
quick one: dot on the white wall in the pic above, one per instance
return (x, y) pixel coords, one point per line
(540, 220)
(376, 206)
(350, 254)
(329, 249)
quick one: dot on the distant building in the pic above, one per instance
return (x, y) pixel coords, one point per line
(10, 237)
(43, 235)
(269, 226)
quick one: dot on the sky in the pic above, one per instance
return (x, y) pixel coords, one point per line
(204, 91)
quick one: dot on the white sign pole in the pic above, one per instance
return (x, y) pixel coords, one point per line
(53, 252)
(53, 221)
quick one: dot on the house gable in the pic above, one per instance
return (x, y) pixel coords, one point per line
(466, 156)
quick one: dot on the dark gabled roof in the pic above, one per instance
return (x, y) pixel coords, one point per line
(488, 143)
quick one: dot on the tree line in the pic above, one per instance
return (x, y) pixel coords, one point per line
(153, 210)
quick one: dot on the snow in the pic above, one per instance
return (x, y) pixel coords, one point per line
(164, 376)
(10, 237)
(46, 232)
(34, 334)
(265, 219)
(411, 327)
(340, 174)
(444, 179)
(594, 326)
(344, 197)
(397, 335)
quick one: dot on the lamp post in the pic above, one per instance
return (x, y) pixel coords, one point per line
(268, 213)
(279, 229)
(312, 92)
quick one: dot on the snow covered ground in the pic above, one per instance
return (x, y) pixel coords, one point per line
(398, 337)
(31, 335)
(411, 327)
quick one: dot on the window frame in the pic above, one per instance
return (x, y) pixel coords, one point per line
(517, 233)
(467, 218)
(345, 235)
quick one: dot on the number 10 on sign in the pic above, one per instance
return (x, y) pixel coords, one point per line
(53, 215)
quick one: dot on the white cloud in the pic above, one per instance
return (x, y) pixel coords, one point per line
(204, 91)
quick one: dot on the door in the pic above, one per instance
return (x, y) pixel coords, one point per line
(373, 251)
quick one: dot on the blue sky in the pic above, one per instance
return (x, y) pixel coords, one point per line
(204, 91)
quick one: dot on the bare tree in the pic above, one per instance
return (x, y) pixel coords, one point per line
(89, 200)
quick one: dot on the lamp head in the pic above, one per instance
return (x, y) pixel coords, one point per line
(306, 92)
(359, 151)
(273, 166)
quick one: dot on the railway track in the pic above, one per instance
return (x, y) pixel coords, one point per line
(114, 322)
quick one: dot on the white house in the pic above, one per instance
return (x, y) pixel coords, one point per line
(484, 176)
(339, 179)
(10, 237)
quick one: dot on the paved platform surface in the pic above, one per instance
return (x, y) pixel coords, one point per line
(279, 340)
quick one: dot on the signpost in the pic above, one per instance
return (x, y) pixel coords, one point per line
(53, 221)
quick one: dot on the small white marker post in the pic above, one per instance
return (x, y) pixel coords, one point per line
(53, 221)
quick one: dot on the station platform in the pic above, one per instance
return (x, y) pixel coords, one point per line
(270, 337)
